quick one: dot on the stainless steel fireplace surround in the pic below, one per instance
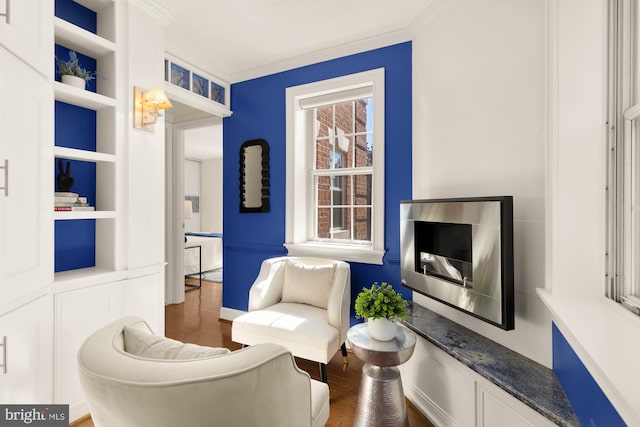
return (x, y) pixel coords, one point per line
(460, 252)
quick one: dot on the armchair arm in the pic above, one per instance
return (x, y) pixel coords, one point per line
(267, 288)
(338, 308)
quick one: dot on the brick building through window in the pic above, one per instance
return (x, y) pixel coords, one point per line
(343, 170)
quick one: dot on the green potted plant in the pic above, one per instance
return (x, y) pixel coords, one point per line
(72, 73)
(381, 305)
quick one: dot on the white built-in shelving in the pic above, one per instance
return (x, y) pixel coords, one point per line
(102, 47)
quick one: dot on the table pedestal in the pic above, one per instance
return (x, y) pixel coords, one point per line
(380, 399)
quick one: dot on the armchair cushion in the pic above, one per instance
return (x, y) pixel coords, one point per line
(300, 328)
(308, 283)
(143, 344)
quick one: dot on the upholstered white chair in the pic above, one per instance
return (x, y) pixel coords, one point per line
(133, 378)
(300, 303)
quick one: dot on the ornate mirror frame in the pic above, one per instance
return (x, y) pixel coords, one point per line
(254, 176)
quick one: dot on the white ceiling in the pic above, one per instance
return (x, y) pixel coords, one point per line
(232, 38)
(241, 39)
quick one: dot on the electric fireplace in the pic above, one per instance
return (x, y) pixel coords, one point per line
(460, 252)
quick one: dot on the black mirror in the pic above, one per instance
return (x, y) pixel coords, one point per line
(254, 176)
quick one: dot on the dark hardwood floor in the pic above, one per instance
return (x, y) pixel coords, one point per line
(197, 321)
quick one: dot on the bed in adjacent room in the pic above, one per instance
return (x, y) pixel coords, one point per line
(211, 244)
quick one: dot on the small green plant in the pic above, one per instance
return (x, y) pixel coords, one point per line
(72, 67)
(381, 301)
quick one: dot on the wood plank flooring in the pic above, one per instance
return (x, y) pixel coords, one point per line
(197, 321)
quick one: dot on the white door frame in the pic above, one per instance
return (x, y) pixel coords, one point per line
(174, 212)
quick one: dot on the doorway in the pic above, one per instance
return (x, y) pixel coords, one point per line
(193, 153)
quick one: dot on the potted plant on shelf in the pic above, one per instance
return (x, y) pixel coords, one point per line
(72, 73)
(381, 305)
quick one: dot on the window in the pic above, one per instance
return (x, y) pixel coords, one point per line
(335, 168)
(623, 190)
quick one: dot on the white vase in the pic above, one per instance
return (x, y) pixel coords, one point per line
(382, 329)
(74, 81)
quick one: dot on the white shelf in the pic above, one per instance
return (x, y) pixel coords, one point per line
(81, 40)
(70, 215)
(82, 98)
(83, 155)
(95, 5)
(81, 278)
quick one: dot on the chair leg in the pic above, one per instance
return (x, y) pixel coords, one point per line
(323, 372)
(345, 358)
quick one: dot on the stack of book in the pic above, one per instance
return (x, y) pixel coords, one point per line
(65, 201)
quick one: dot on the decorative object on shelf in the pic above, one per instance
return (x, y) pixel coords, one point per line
(381, 305)
(64, 179)
(254, 176)
(147, 106)
(72, 73)
(66, 201)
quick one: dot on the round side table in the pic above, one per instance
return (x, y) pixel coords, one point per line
(381, 398)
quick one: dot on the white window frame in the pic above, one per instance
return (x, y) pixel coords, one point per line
(300, 216)
(623, 192)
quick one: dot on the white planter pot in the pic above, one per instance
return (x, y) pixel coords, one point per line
(382, 329)
(74, 81)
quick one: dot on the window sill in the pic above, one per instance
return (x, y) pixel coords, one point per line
(605, 337)
(341, 252)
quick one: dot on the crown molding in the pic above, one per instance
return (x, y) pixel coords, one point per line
(322, 55)
(430, 14)
(154, 9)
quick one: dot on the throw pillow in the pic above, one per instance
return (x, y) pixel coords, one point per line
(308, 283)
(152, 346)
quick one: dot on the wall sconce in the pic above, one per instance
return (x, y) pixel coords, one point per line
(147, 106)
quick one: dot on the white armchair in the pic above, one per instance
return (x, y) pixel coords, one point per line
(259, 386)
(300, 303)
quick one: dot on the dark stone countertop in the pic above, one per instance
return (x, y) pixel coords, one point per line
(528, 381)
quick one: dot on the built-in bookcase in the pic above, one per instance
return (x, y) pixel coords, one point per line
(86, 138)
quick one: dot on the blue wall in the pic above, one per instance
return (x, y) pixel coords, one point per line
(258, 107)
(589, 402)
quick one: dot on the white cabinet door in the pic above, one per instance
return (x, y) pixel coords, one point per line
(144, 297)
(498, 409)
(79, 313)
(27, 356)
(26, 29)
(26, 208)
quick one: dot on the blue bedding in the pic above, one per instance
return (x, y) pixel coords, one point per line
(202, 234)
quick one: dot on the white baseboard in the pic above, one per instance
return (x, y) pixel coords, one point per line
(230, 313)
(427, 407)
